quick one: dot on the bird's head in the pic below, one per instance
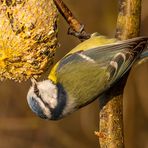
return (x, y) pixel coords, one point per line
(42, 98)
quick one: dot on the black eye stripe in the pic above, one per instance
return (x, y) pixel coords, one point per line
(36, 91)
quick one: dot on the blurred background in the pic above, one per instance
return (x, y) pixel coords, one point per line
(20, 128)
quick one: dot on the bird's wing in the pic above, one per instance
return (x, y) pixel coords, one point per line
(103, 54)
(87, 74)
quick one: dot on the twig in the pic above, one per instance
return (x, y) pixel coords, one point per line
(111, 115)
(76, 28)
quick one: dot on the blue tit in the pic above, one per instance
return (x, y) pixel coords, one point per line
(82, 75)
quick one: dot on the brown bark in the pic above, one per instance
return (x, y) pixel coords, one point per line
(111, 115)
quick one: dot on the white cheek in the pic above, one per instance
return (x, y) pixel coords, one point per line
(54, 95)
(53, 99)
(53, 103)
(49, 93)
(49, 98)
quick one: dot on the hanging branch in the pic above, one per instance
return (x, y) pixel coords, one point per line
(76, 28)
(111, 115)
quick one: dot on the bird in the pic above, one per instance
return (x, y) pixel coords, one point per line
(84, 74)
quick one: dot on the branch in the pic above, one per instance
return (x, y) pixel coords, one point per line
(76, 28)
(111, 115)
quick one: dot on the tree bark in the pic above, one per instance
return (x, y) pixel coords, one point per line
(111, 133)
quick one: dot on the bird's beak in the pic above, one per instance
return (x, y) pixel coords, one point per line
(34, 82)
